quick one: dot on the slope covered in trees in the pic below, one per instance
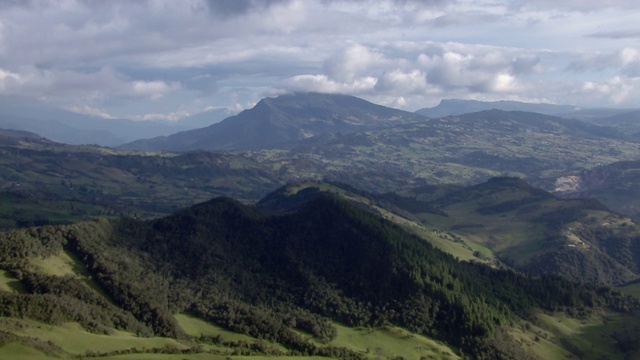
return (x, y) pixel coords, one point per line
(275, 276)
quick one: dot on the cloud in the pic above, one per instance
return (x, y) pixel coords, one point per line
(224, 8)
(352, 63)
(626, 60)
(617, 34)
(324, 84)
(412, 82)
(615, 89)
(9, 81)
(153, 89)
(159, 56)
(172, 116)
(419, 68)
(572, 5)
(88, 110)
(63, 86)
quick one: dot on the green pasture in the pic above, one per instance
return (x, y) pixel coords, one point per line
(195, 326)
(391, 342)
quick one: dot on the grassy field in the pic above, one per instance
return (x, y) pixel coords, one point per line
(71, 338)
(195, 326)
(65, 263)
(61, 264)
(380, 343)
(19, 351)
(598, 335)
(391, 342)
(9, 283)
(383, 343)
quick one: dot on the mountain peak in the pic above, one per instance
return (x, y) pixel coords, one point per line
(284, 121)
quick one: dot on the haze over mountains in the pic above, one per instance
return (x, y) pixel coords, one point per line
(74, 128)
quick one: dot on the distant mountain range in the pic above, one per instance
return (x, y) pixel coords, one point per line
(273, 122)
(282, 122)
(74, 128)
(450, 107)
(310, 118)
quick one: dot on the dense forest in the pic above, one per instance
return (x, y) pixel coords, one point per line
(276, 276)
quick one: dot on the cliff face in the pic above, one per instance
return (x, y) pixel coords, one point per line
(567, 184)
(616, 185)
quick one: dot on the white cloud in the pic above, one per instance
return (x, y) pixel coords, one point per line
(122, 56)
(352, 63)
(616, 89)
(398, 81)
(9, 81)
(322, 83)
(88, 110)
(172, 116)
(153, 89)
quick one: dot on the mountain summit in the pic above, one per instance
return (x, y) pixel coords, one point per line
(283, 121)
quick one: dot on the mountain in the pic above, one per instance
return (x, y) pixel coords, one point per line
(74, 128)
(503, 222)
(281, 122)
(449, 107)
(350, 140)
(19, 134)
(296, 281)
(627, 123)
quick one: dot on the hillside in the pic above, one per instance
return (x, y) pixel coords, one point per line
(534, 232)
(42, 182)
(627, 123)
(504, 222)
(282, 121)
(615, 185)
(465, 149)
(284, 279)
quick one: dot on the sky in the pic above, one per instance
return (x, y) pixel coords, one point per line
(168, 59)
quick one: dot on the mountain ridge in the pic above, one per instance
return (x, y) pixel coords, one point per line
(281, 121)
(452, 107)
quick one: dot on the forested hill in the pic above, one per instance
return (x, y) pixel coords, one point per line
(271, 276)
